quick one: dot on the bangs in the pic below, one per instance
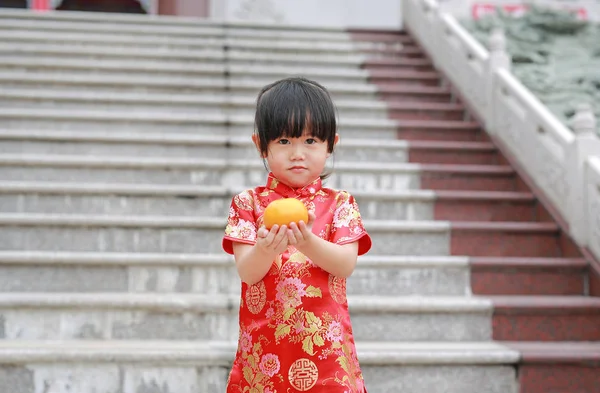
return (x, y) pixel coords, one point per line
(287, 108)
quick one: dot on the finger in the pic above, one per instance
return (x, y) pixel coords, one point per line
(291, 237)
(296, 231)
(281, 233)
(282, 242)
(262, 232)
(311, 218)
(271, 234)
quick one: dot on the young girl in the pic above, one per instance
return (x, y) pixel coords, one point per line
(295, 330)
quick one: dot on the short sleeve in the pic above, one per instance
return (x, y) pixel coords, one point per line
(347, 224)
(241, 223)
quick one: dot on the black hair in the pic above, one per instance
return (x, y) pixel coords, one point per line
(285, 108)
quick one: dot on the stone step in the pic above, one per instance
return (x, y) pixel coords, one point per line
(165, 199)
(224, 42)
(164, 27)
(572, 366)
(57, 232)
(506, 239)
(168, 123)
(207, 55)
(190, 367)
(403, 63)
(468, 177)
(234, 73)
(218, 87)
(241, 173)
(213, 273)
(447, 152)
(546, 318)
(171, 316)
(96, 143)
(179, 200)
(408, 110)
(358, 176)
(485, 206)
(529, 276)
(242, 106)
(112, 40)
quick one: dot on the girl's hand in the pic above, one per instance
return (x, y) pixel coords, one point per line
(299, 234)
(274, 241)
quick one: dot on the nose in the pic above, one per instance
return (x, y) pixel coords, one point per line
(297, 152)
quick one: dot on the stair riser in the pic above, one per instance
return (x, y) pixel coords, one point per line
(207, 91)
(182, 206)
(65, 146)
(416, 114)
(526, 282)
(499, 243)
(432, 134)
(374, 66)
(401, 81)
(414, 96)
(168, 108)
(173, 126)
(114, 378)
(135, 378)
(103, 42)
(467, 157)
(218, 279)
(481, 210)
(113, 324)
(183, 240)
(440, 379)
(579, 326)
(205, 175)
(208, 56)
(558, 377)
(473, 182)
(180, 76)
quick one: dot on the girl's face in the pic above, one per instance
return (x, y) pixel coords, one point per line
(297, 162)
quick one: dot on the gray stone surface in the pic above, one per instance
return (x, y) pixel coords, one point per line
(49, 172)
(421, 326)
(440, 379)
(410, 243)
(403, 281)
(26, 146)
(16, 379)
(115, 205)
(170, 240)
(14, 278)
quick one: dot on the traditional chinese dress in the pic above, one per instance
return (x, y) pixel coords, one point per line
(295, 330)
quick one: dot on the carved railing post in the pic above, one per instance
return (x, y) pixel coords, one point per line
(499, 58)
(586, 144)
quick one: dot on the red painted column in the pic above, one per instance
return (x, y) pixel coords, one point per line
(40, 5)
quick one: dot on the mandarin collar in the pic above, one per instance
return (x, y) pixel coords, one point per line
(289, 192)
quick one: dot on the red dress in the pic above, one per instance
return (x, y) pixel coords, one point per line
(295, 330)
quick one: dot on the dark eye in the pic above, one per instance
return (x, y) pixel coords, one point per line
(283, 142)
(311, 141)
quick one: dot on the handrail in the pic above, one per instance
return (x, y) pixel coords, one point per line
(563, 163)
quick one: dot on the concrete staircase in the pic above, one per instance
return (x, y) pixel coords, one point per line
(122, 140)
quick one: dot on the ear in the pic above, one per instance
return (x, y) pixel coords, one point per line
(256, 142)
(335, 142)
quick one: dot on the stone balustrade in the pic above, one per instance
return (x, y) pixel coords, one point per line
(563, 163)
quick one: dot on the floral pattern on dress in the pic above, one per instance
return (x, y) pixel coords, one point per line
(295, 329)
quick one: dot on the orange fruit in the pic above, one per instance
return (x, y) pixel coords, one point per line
(284, 211)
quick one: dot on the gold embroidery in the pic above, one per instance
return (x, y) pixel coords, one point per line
(337, 288)
(303, 374)
(256, 297)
